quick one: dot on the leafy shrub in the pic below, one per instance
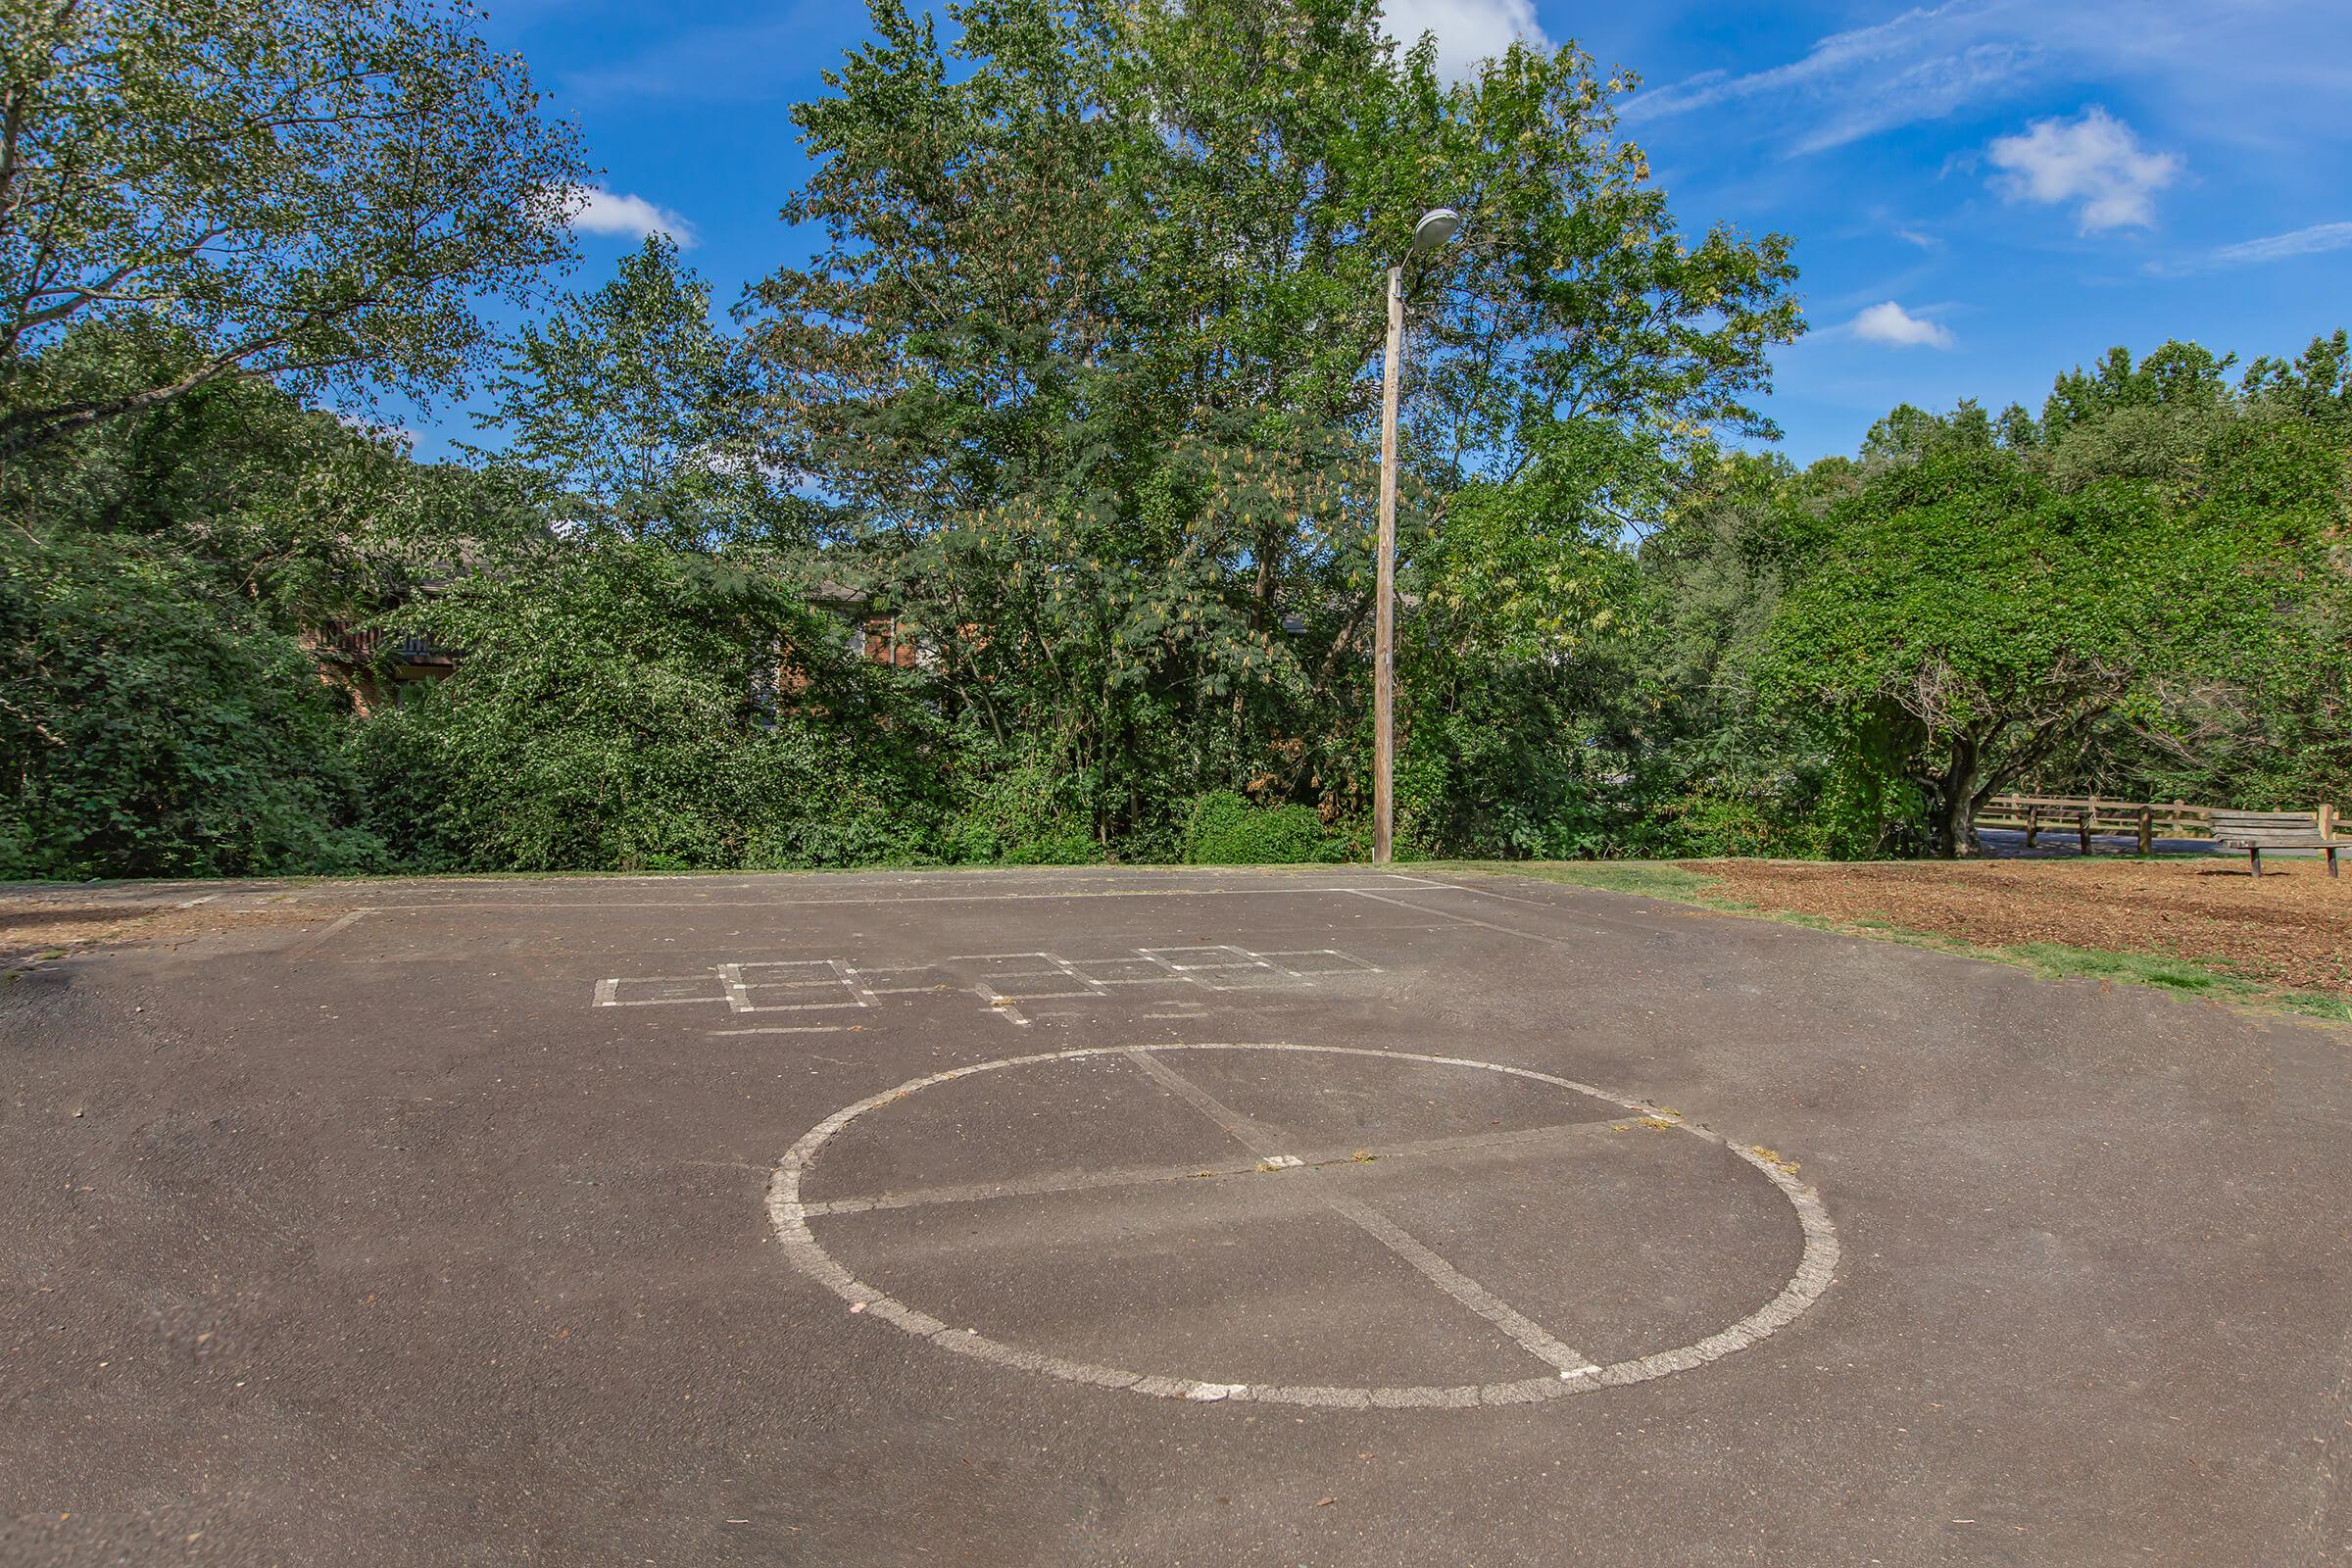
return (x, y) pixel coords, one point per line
(607, 716)
(1018, 817)
(1842, 811)
(1713, 825)
(1223, 829)
(151, 730)
(813, 798)
(1155, 840)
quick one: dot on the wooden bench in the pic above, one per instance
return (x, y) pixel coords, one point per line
(2256, 831)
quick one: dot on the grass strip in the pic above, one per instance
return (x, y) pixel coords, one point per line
(2049, 961)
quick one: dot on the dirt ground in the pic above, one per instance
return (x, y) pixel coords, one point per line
(2292, 927)
(37, 922)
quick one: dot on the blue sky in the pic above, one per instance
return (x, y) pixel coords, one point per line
(1983, 193)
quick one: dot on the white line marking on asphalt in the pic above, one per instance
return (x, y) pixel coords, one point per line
(1093, 985)
(318, 938)
(920, 898)
(1351, 964)
(1262, 1139)
(1264, 1142)
(856, 982)
(1644, 926)
(804, 1006)
(1529, 1334)
(1083, 1181)
(1160, 1175)
(1469, 919)
(608, 991)
(1007, 983)
(784, 1029)
(1002, 1005)
(1815, 1270)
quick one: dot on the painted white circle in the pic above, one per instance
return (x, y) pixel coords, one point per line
(1812, 1277)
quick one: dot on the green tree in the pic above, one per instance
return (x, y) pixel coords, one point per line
(1709, 770)
(274, 506)
(2263, 722)
(172, 578)
(1967, 622)
(2315, 385)
(617, 706)
(1519, 699)
(313, 192)
(640, 417)
(148, 729)
(1089, 353)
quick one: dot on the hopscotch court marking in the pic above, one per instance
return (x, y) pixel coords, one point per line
(1008, 986)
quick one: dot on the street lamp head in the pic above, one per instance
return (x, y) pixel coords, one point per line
(1435, 227)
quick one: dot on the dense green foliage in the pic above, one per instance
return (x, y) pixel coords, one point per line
(1072, 420)
(313, 192)
(167, 577)
(628, 411)
(1089, 361)
(154, 731)
(1223, 829)
(1964, 622)
(2143, 594)
(606, 712)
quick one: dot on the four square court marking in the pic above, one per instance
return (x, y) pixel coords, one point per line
(1330, 1181)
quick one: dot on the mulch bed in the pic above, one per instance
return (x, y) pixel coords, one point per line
(2293, 927)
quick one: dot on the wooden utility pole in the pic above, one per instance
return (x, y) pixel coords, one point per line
(1384, 614)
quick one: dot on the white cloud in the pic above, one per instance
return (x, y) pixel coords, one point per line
(593, 210)
(2310, 241)
(1889, 323)
(1468, 30)
(2266, 74)
(1828, 57)
(2094, 159)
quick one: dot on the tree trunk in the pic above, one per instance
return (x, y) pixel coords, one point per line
(1954, 825)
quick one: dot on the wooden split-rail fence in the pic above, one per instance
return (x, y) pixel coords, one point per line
(2146, 821)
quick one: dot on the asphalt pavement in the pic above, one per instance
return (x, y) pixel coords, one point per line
(1149, 1218)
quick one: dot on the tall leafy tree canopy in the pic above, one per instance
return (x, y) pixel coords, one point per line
(165, 581)
(1089, 356)
(315, 192)
(2142, 587)
(211, 214)
(638, 416)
